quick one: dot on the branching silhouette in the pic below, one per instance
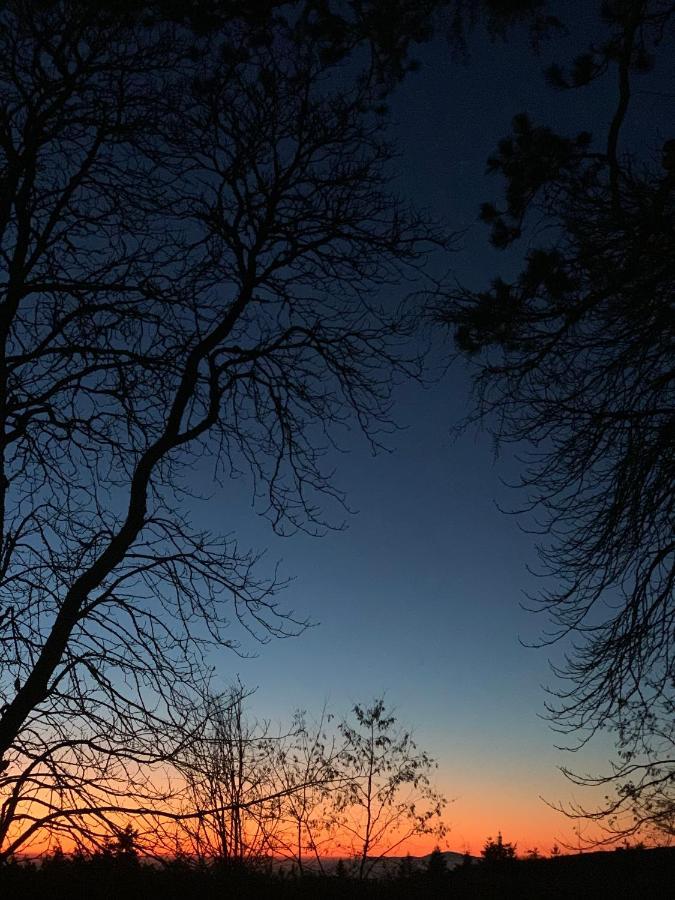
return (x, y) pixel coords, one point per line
(310, 769)
(192, 229)
(387, 796)
(360, 785)
(231, 783)
(574, 360)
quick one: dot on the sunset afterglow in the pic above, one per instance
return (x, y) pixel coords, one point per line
(336, 449)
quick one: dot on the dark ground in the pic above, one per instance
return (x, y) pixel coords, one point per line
(629, 874)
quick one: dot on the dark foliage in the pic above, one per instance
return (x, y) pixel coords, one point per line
(496, 853)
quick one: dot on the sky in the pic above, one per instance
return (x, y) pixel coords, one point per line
(418, 598)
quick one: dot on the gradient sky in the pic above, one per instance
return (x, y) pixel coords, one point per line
(419, 596)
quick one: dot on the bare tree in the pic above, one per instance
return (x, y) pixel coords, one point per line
(362, 786)
(251, 793)
(641, 803)
(191, 234)
(574, 364)
(386, 796)
(309, 769)
(231, 785)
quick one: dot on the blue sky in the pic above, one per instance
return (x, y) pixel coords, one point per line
(419, 596)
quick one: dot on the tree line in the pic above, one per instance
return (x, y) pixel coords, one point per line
(115, 871)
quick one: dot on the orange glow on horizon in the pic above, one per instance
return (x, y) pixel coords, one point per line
(476, 815)
(461, 838)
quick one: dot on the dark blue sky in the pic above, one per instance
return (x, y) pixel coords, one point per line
(419, 596)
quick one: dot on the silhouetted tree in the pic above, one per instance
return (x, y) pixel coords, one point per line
(122, 846)
(497, 852)
(191, 232)
(385, 31)
(574, 359)
(307, 769)
(341, 869)
(192, 224)
(387, 796)
(437, 865)
(230, 785)
(55, 859)
(406, 868)
(389, 32)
